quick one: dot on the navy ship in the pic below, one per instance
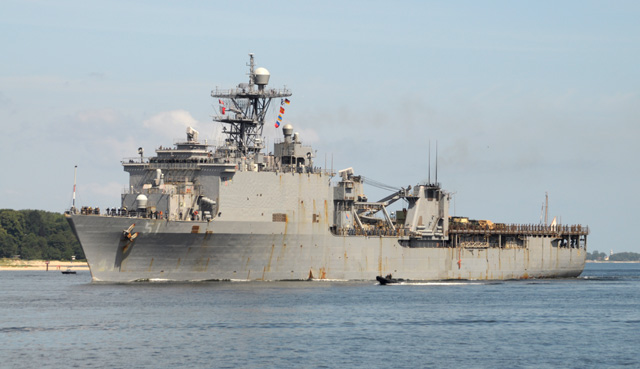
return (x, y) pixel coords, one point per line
(234, 211)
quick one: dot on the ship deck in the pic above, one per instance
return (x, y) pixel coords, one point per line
(520, 229)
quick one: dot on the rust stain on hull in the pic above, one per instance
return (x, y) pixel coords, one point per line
(283, 252)
(326, 211)
(268, 267)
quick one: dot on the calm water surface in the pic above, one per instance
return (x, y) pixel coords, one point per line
(52, 320)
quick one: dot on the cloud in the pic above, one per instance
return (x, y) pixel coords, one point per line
(166, 122)
(457, 154)
(4, 101)
(116, 148)
(109, 189)
(308, 135)
(89, 126)
(97, 75)
(98, 117)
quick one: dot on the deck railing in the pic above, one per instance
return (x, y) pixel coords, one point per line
(523, 229)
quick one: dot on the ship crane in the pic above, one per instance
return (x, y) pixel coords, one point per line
(366, 210)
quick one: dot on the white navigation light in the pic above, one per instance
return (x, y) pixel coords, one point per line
(261, 76)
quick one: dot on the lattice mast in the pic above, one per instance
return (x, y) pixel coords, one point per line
(244, 109)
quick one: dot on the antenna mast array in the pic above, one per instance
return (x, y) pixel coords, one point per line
(429, 166)
(546, 208)
(245, 110)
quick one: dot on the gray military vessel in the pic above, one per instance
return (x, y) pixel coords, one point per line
(234, 212)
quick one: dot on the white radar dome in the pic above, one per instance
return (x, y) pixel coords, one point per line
(287, 130)
(261, 76)
(141, 201)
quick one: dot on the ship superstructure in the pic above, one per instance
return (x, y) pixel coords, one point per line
(196, 211)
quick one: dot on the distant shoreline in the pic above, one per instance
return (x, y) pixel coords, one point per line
(612, 262)
(54, 265)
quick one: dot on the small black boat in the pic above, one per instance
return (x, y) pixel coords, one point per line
(68, 271)
(388, 279)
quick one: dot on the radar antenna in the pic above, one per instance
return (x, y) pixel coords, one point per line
(245, 110)
(429, 166)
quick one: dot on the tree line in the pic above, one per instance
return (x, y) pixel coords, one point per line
(37, 234)
(621, 256)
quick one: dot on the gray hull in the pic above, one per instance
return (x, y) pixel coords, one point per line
(219, 250)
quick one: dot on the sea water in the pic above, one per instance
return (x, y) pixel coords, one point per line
(52, 320)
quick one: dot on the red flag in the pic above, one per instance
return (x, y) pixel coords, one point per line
(281, 110)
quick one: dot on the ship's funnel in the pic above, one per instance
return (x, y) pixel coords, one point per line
(261, 76)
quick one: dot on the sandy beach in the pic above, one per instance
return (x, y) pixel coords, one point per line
(54, 265)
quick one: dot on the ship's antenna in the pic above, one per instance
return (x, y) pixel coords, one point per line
(436, 162)
(546, 208)
(251, 73)
(73, 204)
(429, 166)
(247, 107)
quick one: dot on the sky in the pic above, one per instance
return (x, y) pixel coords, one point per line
(522, 97)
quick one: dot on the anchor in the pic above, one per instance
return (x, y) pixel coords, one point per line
(127, 233)
(128, 237)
